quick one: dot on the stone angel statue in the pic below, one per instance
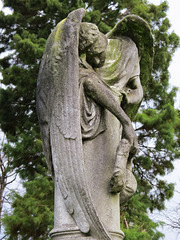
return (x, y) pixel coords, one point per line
(88, 89)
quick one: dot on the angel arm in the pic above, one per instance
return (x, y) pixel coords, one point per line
(103, 95)
(128, 147)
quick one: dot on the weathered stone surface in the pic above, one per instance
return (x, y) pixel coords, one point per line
(88, 140)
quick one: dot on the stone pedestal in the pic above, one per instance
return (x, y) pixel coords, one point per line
(77, 235)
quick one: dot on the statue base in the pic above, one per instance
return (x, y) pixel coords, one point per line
(76, 234)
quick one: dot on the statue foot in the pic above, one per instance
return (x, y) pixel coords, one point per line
(118, 181)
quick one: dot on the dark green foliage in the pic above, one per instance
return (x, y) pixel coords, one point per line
(135, 221)
(157, 124)
(32, 214)
(26, 154)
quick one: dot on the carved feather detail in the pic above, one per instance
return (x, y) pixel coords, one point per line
(58, 107)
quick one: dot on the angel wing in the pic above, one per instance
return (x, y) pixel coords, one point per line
(58, 107)
(138, 30)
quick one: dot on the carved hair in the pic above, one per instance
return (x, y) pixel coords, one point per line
(91, 39)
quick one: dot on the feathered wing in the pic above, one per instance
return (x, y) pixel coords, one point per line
(58, 106)
(137, 29)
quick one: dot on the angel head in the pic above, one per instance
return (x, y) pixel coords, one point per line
(93, 43)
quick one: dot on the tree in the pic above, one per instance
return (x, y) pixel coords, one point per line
(172, 219)
(157, 123)
(6, 178)
(32, 214)
(171, 216)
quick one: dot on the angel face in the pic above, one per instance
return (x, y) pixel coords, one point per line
(97, 53)
(93, 43)
(88, 35)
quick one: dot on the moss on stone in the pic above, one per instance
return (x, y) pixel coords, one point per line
(59, 29)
